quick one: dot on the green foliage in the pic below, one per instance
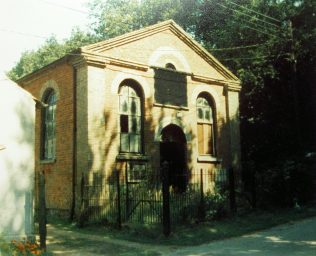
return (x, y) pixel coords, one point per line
(275, 66)
(114, 17)
(199, 232)
(111, 18)
(5, 248)
(49, 52)
(287, 184)
(275, 62)
(216, 204)
(33, 60)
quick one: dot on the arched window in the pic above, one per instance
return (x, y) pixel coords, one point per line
(130, 120)
(49, 125)
(170, 66)
(205, 125)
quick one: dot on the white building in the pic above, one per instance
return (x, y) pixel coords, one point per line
(17, 115)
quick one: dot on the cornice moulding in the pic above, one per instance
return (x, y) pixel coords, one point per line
(233, 87)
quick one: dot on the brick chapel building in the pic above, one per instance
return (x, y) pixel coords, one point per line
(130, 103)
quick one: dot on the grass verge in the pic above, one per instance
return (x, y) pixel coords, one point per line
(199, 233)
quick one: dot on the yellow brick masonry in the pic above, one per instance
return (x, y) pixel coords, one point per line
(58, 173)
(97, 74)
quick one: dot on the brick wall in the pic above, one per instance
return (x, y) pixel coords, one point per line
(97, 114)
(58, 173)
(101, 121)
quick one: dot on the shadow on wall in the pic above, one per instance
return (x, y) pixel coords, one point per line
(98, 185)
(17, 112)
(99, 188)
(228, 138)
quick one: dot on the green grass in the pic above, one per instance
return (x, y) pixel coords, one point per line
(198, 233)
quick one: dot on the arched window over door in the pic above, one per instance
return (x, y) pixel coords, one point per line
(170, 66)
(49, 126)
(130, 113)
(205, 125)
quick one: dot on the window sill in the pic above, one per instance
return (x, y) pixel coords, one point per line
(208, 159)
(170, 106)
(130, 156)
(48, 161)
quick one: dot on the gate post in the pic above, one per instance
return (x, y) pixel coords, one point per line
(232, 195)
(165, 199)
(201, 209)
(119, 218)
(42, 212)
(127, 206)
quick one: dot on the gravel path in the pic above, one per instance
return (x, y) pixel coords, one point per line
(61, 241)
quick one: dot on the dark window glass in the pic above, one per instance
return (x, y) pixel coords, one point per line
(130, 120)
(49, 126)
(124, 123)
(170, 66)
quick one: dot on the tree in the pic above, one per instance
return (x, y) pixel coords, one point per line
(274, 60)
(111, 18)
(50, 51)
(275, 65)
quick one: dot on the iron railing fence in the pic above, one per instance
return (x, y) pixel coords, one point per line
(118, 200)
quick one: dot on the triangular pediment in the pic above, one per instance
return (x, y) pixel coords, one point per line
(144, 46)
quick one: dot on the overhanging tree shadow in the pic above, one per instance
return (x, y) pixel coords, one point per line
(275, 172)
(128, 188)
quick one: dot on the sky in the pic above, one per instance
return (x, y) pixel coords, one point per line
(26, 24)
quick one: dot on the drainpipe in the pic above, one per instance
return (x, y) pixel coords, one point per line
(74, 147)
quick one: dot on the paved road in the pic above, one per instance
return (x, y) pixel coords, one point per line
(297, 239)
(294, 239)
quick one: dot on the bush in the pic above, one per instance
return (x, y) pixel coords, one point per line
(216, 203)
(287, 183)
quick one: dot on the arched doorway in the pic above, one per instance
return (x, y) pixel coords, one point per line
(173, 150)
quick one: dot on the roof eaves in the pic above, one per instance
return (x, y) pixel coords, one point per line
(176, 29)
(208, 57)
(128, 37)
(37, 72)
(99, 59)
